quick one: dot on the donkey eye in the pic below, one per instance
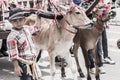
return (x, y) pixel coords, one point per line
(77, 12)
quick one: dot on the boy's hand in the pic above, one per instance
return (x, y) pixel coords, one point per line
(18, 71)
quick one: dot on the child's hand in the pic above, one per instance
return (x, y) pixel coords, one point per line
(18, 71)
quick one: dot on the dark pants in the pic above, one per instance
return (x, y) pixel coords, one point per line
(104, 44)
(99, 53)
(24, 76)
(4, 45)
(113, 0)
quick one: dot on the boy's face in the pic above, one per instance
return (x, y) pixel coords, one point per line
(18, 23)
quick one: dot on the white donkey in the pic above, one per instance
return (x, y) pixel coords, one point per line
(57, 38)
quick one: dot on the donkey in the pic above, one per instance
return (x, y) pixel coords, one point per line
(57, 39)
(88, 38)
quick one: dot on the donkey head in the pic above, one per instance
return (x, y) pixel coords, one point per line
(75, 15)
(104, 13)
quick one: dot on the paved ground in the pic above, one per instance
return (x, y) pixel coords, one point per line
(112, 71)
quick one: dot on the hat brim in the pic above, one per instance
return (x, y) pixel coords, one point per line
(15, 18)
(18, 15)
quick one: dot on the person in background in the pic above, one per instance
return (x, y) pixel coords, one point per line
(113, 2)
(104, 44)
(117, 3)
(100, 57)
(4, 46)
(77, 2)
(39, 4)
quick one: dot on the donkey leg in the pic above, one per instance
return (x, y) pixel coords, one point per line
(62, 68)
(87, 63)
(70, 64)
(95, 54)
(75, 52)
(52, 66)
(97, 75)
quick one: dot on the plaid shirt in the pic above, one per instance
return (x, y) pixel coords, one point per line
(20, 43)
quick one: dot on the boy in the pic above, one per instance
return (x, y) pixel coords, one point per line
(20, 45)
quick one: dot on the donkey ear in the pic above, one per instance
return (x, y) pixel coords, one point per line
(72, 6)
(63, 9)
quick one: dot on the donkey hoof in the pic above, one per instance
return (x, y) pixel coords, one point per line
(82, 75)
(89, 78)
(63, 75)
(65, 64)
(97, 78)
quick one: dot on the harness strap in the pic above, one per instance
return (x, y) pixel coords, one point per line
(64, 19)
(69, 30)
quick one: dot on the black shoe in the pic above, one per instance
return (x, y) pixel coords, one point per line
(4, 53)
(65, 64)
(57, 59)
(71, 51)
(1, 55)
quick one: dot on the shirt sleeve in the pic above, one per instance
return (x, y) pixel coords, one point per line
(12, 48)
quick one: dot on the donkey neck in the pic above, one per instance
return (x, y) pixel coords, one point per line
(99, 25)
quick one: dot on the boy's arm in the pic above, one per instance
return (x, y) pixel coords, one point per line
(13, 53)
(17, 68)
(15, 63)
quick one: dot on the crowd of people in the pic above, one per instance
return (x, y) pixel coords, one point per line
(18, 31)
